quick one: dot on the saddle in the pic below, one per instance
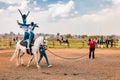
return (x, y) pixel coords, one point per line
(29, 51)
(24, 43)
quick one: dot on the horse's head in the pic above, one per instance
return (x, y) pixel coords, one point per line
(45, 42)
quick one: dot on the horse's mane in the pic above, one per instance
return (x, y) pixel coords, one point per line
(39, 40)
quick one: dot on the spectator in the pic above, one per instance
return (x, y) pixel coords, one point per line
(118, 43)
(101, 42)
(91, 44)
(111, 41)
(107, 43)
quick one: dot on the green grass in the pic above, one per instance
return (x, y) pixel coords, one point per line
(73, 44)
(5, 43)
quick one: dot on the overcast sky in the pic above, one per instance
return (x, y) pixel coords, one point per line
(89, 17)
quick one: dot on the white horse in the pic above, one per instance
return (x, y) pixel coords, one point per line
(20, 50)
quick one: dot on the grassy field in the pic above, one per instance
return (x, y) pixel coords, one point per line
(9, 43)
(73, 43)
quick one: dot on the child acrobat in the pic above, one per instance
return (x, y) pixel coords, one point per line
(24, 16)
(25, 27)
(31, 34)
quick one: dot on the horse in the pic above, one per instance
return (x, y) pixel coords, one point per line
(21, 50)
(66, 42)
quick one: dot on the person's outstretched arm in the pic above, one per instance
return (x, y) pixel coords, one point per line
(35, 25)
(19, 23)
(28, 13)
(20, 12)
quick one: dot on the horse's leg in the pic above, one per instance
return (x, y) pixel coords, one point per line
(14, 54)
(60, 42)
(17, 57)
(30, 61)
(67, 44)
(35, 55)
(22, 62)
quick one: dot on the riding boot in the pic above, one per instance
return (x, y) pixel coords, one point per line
(29, 51)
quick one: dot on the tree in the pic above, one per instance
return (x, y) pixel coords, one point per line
(68, 36)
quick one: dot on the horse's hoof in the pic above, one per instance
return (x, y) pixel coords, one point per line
(17, 65)
(22, 64)
(28, 66)
(38, 67)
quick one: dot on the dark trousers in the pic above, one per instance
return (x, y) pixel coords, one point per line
(31, 37)
(91, 53)
(43, 53)
(26, 36)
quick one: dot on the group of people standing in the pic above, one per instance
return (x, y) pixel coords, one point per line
(93, 43)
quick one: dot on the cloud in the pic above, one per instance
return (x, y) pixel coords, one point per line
(105, 21)
(44, 0)
(1, 10)
(35, 3)
(37, 8)
(11, 1)
(13, 5)
(116, 2)
(61, 10)
(24, 4)
(12, 8)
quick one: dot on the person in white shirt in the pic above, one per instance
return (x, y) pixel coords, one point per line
(25, 28)
(31, 33)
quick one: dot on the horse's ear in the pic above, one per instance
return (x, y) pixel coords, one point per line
(45, 37)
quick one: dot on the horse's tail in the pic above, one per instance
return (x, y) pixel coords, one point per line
(15, 54)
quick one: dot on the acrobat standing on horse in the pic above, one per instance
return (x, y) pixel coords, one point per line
(25, 27)
(24, 16)
(31, 35)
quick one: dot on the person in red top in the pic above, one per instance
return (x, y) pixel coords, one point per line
(91, 44)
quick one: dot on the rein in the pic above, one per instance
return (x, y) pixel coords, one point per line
(67, 57)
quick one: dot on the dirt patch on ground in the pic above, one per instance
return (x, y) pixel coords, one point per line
(106, 66)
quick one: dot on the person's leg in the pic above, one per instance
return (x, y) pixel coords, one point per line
(26, 36)
(41, 56)
(31, 37)
(46, 58)
(107, 45)
(93, 56)
(89, 53)
(45, 55)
